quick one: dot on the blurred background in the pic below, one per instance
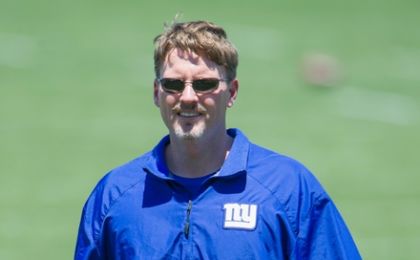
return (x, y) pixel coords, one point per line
(335, 84)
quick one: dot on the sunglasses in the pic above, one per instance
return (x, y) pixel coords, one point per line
(199, 85)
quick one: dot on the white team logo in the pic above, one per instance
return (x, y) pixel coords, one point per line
(240, 216)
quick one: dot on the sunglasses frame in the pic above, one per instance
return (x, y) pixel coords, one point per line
(192, 83)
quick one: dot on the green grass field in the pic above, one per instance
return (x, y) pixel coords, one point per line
(76, 101)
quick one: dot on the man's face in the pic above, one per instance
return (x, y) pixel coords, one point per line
(189, 114)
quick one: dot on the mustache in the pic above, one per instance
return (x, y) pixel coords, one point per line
(183, 108)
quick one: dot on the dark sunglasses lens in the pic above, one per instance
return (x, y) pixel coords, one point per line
(172, 84)
(205, 84)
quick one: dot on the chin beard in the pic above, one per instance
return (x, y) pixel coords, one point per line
(190, 134)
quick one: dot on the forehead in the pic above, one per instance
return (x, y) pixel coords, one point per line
(188, 63)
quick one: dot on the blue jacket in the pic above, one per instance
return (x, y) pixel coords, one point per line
(261, 205)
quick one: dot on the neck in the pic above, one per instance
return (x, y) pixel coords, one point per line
(198, 157)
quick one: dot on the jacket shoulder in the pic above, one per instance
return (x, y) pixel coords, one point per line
(280, 171)
(296, 189)
(116, 183)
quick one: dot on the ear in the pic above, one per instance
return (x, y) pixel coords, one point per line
(233, 90)
(156, 93)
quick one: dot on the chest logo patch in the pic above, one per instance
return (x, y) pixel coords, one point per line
(240, 216)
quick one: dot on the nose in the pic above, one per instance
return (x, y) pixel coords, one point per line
(188, 95)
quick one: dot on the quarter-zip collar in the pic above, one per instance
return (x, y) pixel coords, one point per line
(235, 163)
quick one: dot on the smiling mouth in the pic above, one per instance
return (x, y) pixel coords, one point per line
(189, 114)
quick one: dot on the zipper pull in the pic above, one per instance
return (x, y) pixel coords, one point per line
(187, 221)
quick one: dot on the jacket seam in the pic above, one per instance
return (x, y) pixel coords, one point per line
(111, 205)
(278, 200)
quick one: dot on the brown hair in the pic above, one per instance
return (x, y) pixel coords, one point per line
(202, 37)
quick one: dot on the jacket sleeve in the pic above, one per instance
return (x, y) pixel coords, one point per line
(323, 234)
(89, 234)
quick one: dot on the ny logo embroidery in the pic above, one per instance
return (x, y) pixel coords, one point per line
(240, 216)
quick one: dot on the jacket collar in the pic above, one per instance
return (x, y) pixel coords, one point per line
(235, 163)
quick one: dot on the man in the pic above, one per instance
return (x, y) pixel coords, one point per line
(206, 192)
